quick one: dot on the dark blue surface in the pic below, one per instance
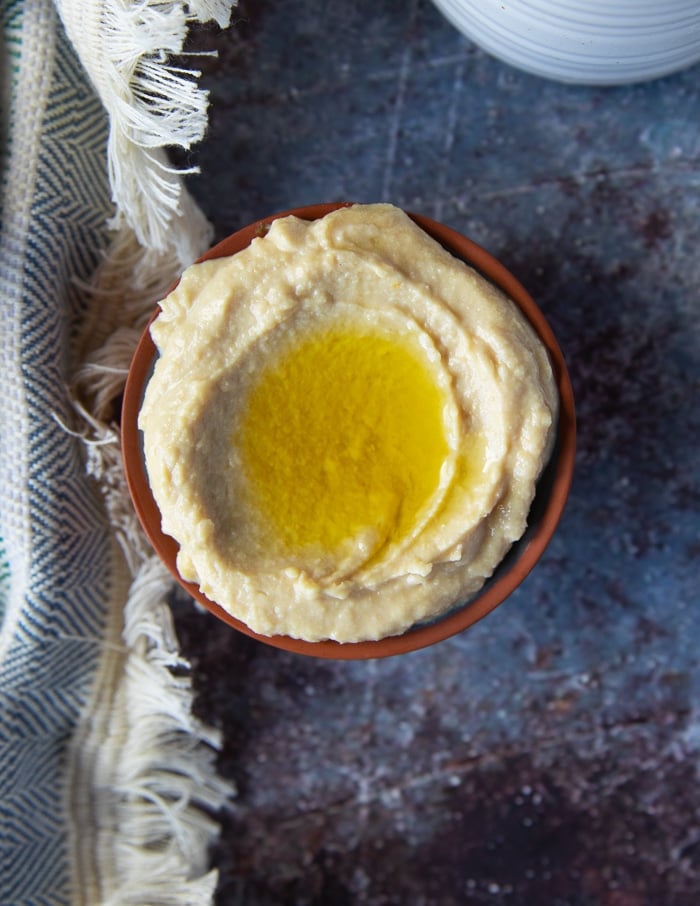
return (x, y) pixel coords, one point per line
(550, 754)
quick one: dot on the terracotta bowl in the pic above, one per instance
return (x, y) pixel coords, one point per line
(552, 489)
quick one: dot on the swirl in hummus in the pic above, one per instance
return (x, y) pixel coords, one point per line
(344, 427)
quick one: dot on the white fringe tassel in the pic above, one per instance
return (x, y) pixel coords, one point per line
(164, 787)
(152, 104)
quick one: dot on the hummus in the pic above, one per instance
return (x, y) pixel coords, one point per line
(344, 426)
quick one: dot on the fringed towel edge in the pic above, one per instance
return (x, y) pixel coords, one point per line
(152, 103)
(141, 766)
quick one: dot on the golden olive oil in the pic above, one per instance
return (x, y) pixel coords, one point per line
(343, 437)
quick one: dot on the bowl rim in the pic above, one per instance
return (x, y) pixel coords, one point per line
(497, 589)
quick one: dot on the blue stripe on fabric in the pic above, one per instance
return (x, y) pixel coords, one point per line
(46, 676)
(63, 659)
(4, 581)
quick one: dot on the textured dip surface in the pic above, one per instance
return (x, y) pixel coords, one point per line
(344, 427)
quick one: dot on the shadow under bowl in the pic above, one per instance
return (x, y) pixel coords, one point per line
(551, 492)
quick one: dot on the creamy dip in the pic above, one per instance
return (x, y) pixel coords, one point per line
(344, 427)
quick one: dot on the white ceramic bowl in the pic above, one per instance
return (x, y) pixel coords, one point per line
(594, 42)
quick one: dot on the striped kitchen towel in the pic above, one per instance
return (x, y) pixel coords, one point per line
(107, 781)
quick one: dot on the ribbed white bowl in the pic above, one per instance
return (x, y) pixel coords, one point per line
(596, 42)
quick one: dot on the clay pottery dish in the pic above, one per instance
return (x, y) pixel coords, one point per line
(552, 489)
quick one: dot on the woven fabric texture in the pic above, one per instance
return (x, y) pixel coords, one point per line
(69, 658)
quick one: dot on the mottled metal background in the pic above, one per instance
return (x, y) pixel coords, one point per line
(549, 756)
